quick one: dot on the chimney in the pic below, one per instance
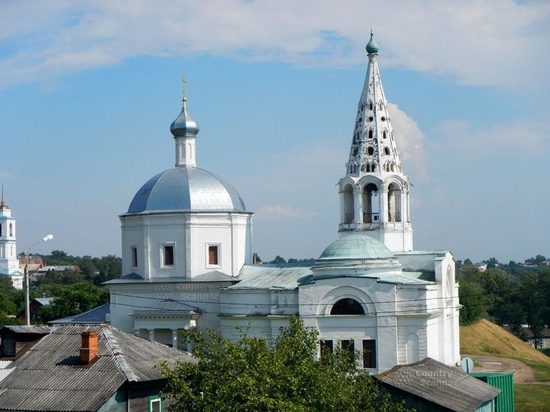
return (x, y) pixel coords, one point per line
(89, 350)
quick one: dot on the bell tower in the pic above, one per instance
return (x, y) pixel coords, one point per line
(374, 194)
(9, 263)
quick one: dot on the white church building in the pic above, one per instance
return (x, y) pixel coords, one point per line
(9, 263)
(187, 258)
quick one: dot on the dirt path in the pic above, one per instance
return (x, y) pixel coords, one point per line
(493, 364)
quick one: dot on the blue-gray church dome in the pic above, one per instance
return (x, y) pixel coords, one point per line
(186, 189)
(356, 246)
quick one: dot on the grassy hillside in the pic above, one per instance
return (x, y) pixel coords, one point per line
(486, 338)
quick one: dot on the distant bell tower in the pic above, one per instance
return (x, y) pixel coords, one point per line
(9, 264)
(374, 194)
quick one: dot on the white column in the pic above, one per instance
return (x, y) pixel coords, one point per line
(383, 203)
(358, 202)
(175, 338)
(151, 335)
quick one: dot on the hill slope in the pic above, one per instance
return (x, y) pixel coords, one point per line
(486, 338)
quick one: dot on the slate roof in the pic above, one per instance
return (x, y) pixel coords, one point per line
(441, 384)
(49, 377)
(31, 329)
(95, 316)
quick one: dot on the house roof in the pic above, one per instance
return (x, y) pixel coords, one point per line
(95, 316)
(49, 376)
(31, 329)
(44, 301)
(441, 384)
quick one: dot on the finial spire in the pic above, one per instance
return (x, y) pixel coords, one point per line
(2, 204)
(184, 93)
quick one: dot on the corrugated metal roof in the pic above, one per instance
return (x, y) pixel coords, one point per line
(32, 329)
(95, 316)
(440, 384)
(4, 363)
(269, 277)
(49, 376)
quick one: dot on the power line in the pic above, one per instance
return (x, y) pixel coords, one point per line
(232, 305)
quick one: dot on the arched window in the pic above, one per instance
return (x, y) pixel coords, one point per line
(347, 306)
(370, 134)
(349, 206)
(11, 229)
(371, 205)
(370, 150)
(394, 203)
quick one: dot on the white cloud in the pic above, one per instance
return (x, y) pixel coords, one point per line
(521, 139)
(283, 212)
(410, 143)
(475, 43)
(4, 175)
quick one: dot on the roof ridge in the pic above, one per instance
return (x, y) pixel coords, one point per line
(120, 360)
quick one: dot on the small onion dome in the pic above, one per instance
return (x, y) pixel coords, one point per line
(184, 125)
(372, 47)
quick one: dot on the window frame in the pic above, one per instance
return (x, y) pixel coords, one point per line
(218, 247)
(153, 399)
(163, 247)
(134, 256)
(370, 352)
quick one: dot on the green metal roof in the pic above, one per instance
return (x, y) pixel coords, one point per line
(271, 277)
(356, 246)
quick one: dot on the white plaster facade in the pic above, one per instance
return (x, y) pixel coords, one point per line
(368, 290)
(9, 263)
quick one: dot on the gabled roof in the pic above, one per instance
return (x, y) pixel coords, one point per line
(49, 377)
(44, 301)
(95, 316)
(440, 384)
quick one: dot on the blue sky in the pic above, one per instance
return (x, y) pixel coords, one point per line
(88, 91)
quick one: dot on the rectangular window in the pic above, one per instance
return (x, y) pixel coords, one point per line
(327, 347)
(213, 257)
(349, 347)
(168, 255)
(134, 257)
(369, 353)
(155, 404)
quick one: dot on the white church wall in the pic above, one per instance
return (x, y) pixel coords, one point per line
(190, 234)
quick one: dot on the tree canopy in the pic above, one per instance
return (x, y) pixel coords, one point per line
(251, 375)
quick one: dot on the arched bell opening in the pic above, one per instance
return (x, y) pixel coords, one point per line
(394, 203)
(371, 204)
(349, 205)
(347, 306)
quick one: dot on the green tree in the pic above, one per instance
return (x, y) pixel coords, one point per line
(472, 301)
(11, 301)
(73, 300)
(249, 375)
